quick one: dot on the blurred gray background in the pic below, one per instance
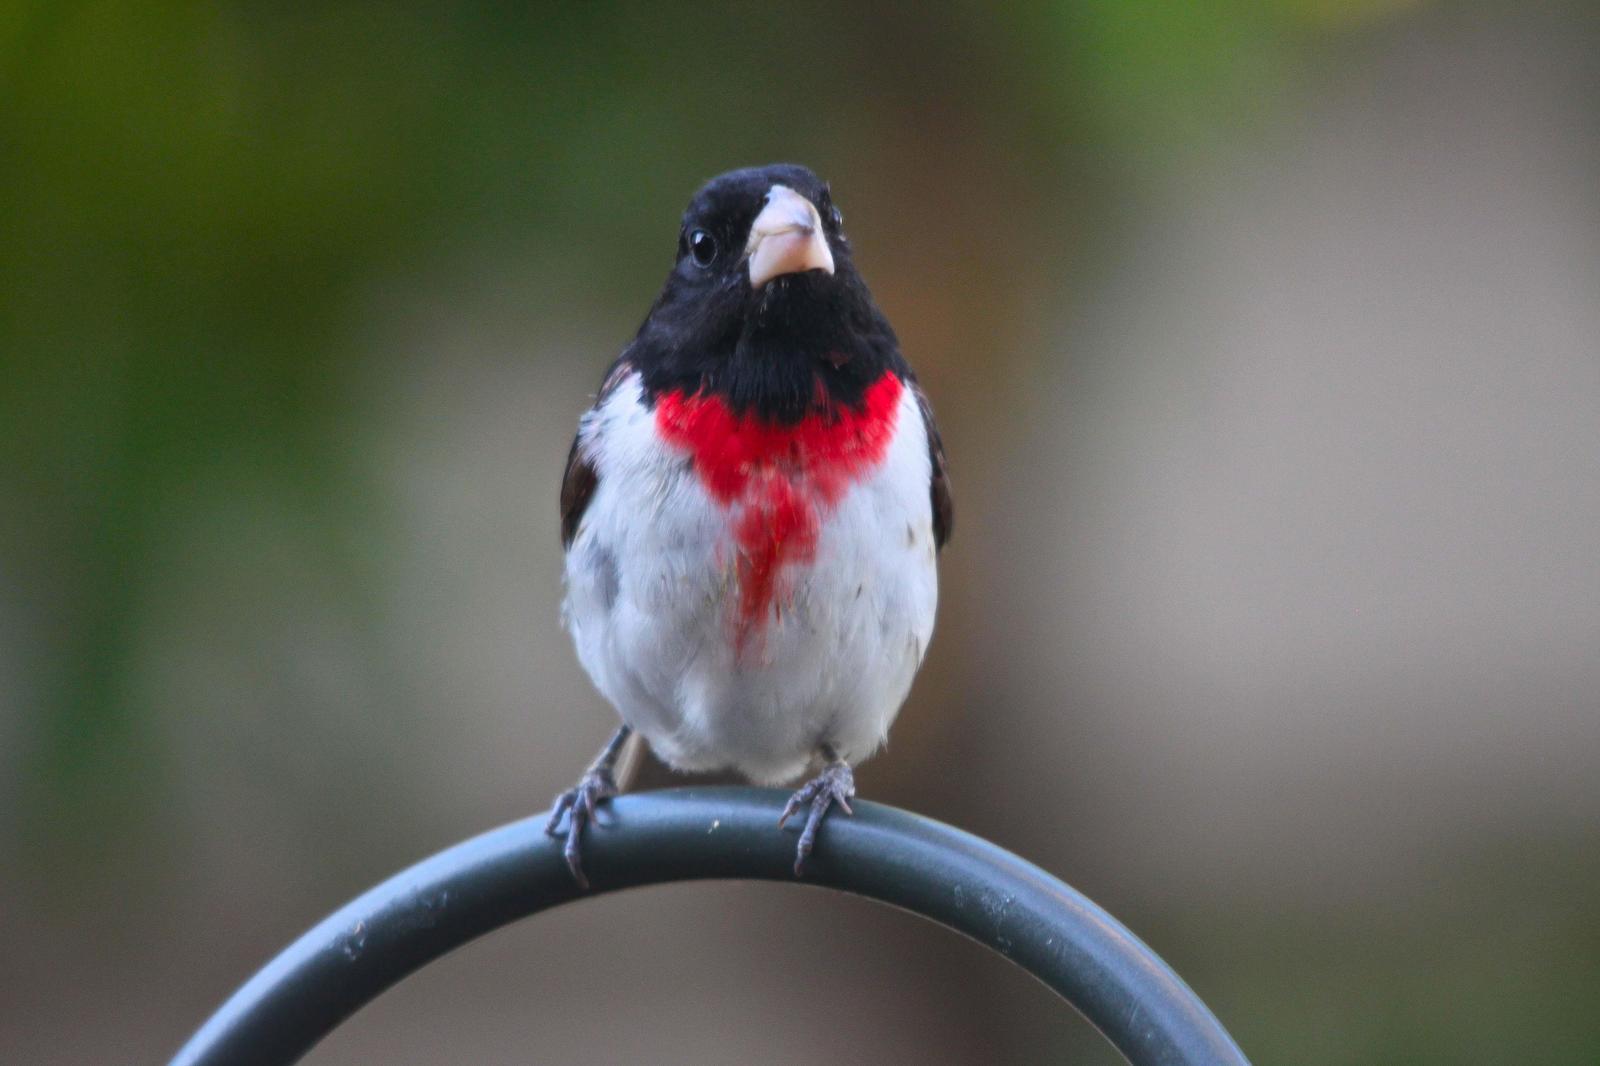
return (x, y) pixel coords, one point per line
(1263, 338)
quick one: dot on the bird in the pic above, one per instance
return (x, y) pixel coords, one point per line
(752, 512)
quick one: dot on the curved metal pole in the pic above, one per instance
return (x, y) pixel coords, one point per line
(923, 866)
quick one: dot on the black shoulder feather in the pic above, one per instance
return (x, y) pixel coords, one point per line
(943, 506)
(581, 477)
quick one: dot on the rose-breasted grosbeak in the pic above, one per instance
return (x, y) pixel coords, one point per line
(752, 509)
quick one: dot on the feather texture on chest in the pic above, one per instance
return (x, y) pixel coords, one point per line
(743, 591)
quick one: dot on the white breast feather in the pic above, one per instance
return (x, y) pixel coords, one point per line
(650, 577)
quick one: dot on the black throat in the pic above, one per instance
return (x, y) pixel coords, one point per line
(804, 343)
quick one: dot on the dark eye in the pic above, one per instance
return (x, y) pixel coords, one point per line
(829, 210)
(703, 246)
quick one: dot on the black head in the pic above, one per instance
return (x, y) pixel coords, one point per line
(763, 305)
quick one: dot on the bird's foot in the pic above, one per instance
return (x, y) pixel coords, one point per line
(578, 804)
(836, 784)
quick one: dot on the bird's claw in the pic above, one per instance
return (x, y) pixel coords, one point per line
(578, 805)
(836, 784)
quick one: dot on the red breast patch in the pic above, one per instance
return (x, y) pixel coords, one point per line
(779, 481)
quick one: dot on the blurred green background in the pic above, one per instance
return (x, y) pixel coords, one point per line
(1263, 336)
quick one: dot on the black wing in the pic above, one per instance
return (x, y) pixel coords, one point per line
(581, 479)
(943, 507)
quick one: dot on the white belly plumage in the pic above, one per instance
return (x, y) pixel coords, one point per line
(652, 578)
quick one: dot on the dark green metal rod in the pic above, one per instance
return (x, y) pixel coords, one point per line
(920, 865)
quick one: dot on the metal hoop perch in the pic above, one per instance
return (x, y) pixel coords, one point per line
(890, 855)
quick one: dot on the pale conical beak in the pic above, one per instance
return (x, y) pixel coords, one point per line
(786, 238)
